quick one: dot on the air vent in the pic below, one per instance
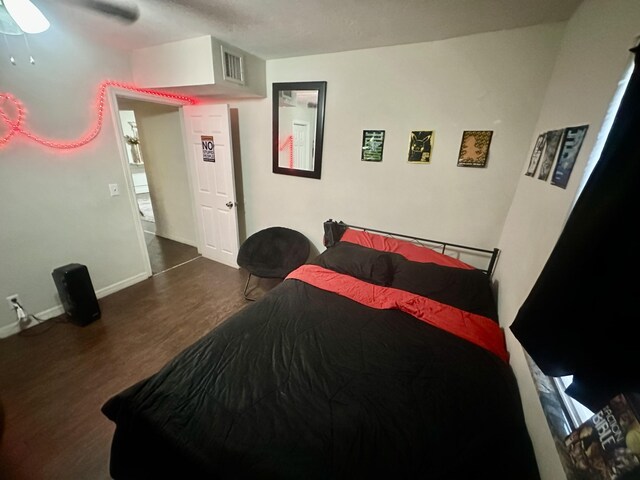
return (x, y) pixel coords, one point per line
(232, 66)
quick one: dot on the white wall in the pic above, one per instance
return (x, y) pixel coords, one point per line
(55, 206)
(492, 81)
(160, 130)
(593, 57)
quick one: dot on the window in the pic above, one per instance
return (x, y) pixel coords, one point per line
(606, 128)
(575, 412)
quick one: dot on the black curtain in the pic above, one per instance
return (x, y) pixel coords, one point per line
(581, 316)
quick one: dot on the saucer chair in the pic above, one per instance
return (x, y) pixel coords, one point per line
(272, 253)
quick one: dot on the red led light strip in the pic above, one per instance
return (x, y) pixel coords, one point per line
(16, 125)
(288, 142)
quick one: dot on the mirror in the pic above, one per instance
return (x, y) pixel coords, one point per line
(298, 125)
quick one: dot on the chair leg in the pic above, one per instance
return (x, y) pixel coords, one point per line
(245, 290)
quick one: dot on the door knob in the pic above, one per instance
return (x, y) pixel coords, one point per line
(229, 204)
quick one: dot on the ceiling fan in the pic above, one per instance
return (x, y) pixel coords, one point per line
(22, 16)
(124, 11)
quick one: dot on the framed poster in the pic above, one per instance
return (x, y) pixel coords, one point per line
(208, 148)
(571, 143)
(536, 154)
(420, 147)
(372, 145)
(553, 138)
(474, 148)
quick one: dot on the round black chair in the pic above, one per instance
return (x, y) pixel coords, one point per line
(273, 253)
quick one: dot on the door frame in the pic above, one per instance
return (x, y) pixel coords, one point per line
(112, 95)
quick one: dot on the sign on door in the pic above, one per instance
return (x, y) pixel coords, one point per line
(208, 148)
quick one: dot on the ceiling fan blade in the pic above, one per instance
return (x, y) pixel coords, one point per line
(26, 15)
(127, 13)
(8, 25)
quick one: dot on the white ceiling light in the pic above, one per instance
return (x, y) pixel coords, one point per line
(28, 17)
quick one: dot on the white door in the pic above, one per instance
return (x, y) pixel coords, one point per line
(213, 181)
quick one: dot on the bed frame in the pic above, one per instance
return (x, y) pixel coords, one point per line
(333, 231)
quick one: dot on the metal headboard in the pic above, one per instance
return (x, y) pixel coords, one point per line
(333, 231)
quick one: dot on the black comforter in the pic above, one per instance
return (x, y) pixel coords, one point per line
(305, 384)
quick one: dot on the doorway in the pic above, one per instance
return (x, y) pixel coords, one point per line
(152, 134)
(129, 126)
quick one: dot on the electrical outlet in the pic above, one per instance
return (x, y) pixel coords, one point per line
(10, 299)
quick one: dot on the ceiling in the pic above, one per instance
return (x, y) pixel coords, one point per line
(286, 28)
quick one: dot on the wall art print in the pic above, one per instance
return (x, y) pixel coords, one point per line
(552, 141)
(474, 148)
(372, 145)
(536, 154)
(571, 143)
(420, 147)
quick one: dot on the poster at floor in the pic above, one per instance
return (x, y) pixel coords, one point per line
(372, 145)
(571, 143)
(420, 147)
(536, 155)
(474, 148)
(552, 141)
(607, 445)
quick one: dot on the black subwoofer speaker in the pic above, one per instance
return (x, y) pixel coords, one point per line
(76, 293)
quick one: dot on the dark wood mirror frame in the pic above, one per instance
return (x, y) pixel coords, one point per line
(321, 88)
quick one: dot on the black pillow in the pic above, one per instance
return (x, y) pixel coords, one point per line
(364, 263)
(468, 290)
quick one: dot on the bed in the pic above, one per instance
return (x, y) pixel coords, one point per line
(381, 357)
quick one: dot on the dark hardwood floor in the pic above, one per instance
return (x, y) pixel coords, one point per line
(165, 253)
(53, 385)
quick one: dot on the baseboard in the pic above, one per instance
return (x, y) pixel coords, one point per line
(127, 282)
(176, 238)
(14, 328)
(52, 312)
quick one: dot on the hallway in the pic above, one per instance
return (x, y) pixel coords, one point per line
(165, 254)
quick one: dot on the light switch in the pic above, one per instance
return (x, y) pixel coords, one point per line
(114, 189)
